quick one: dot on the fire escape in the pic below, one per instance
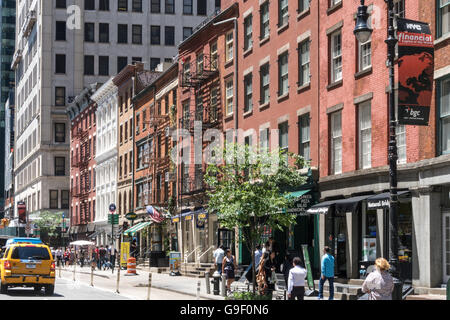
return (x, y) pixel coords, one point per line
(200, 78)
(81, 190)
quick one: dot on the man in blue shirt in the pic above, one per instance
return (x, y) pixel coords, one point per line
(258, 255)
(327, 273)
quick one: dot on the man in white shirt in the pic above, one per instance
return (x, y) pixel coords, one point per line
(296, 281)
(218, 258)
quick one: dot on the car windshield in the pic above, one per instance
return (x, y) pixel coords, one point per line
(30, 253)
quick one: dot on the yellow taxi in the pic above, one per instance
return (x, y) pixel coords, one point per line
(29, 264)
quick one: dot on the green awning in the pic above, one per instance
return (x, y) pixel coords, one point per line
(297, 194)
(132, 231)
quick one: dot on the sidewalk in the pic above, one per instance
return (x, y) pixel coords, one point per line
(180, 284)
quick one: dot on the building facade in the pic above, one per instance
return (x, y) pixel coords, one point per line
(105, 157)
(7, 37)
(9, 160)
(83, 129)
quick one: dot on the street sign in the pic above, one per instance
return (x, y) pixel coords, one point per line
(112, 207)
(114, 218)
(131, 216)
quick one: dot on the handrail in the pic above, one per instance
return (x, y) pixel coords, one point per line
(205, 252)
(186, 257)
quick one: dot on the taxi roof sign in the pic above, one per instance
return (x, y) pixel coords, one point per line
(23, 240)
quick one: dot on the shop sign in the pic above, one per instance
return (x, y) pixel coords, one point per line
(131, 216)
(124, 253)
(174, 261)
(301, 205)
(177, 219)
(188, 217)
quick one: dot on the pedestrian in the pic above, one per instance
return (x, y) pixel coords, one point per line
(59, 256)
(379, 283)
(258, 254)
(266, 247)
(228, 267)
(286, 267)
(102, 253)
(133, 248)
(113, 254)
(218, 258)
(269, 271)
(81, 258)
(66, 257)
(296, 280)
(261, 276)
(327, 273)
(97, 257)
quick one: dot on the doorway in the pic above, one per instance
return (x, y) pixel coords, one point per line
(226, 238)
(446, 245)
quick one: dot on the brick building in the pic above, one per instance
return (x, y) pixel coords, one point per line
(82, 164)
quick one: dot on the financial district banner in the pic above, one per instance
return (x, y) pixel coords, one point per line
(415, 71)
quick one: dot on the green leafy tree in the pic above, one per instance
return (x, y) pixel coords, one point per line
(248, 191)
(49, 224)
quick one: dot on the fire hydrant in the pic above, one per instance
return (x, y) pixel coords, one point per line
(216, 277)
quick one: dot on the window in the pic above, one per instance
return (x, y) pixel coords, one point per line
(137, 34)
(214, 102)
(103, 5)
(60, 96)
(122, 33)
(103, 65)
(60, 34)
(303, 63)
(187, 31)
(60, 62)
(200, 60)
(213, 54)
(303, 5)
(121, 63)
(217, 5)
(229, 46)
(283, 129)
(264, 79)
(264, 9)
(283, 81)
(336, 142)
(229, 97)
(137, 6)
(53, 199)
(89, 32)
(89, 65)
(443, 101)
(64, 199)
(89, 4)
(201, 7)
(122, 5)
(443, 17)
(154, 62)
(248, 93)
(155, 35)
(170, 6)
(399, 8)
(156, 6)
(60, 132)
(136, 59)
(187, 7)
(365, 135)
(264, 139)
(61, 4)
(103, 36)
(304, 138)
(169, 36)
(334, 2)
(336, 57)
(248, 40)
(60, 166)
(138, 121)
(365, 55)
(283, 13)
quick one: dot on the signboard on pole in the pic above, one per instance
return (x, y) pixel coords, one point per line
(415, 72)
(309, 276)
(174, 261)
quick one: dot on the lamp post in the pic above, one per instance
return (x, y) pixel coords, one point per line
(362, 33)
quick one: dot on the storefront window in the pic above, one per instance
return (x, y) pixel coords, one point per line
(369, 235)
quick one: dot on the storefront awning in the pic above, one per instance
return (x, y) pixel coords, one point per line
(297, 194)
(342, 205)
(321, 208)
(381, 201)
(131, 231)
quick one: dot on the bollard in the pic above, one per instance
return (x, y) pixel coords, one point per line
(74, 267)
(208, 284)
(149, 285)
(118, 276)
(198, 289)
(60, 270)
(224, 286)
(216, 277)
(92, 276)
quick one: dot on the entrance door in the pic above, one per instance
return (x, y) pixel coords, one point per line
(446, 245)
(340, 243)
(226, 238)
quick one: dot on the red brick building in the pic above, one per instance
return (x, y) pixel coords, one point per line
(82, 164)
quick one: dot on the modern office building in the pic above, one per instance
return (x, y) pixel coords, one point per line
(62, 48)
(7, 36)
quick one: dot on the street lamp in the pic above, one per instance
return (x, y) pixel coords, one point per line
(362, 33)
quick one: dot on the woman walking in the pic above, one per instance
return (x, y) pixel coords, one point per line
(261, 276)
(228, 267)
(379, 284)
(269, 270)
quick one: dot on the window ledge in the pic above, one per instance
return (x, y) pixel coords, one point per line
(263, 41)
(228, 117)
(304, 87)
(248, 51)
(335, 84)
(283, 97)
(248, 113)
(443, 38)
(332, 9)
(229, 63)
(363, 73)
(264, 106)
(303, 14)
(283, 27)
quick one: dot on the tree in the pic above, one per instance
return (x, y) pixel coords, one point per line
(49, 223)
(248, 191)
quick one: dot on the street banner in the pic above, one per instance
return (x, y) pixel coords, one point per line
(309, 275)
(415, 72)
(124, 253)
